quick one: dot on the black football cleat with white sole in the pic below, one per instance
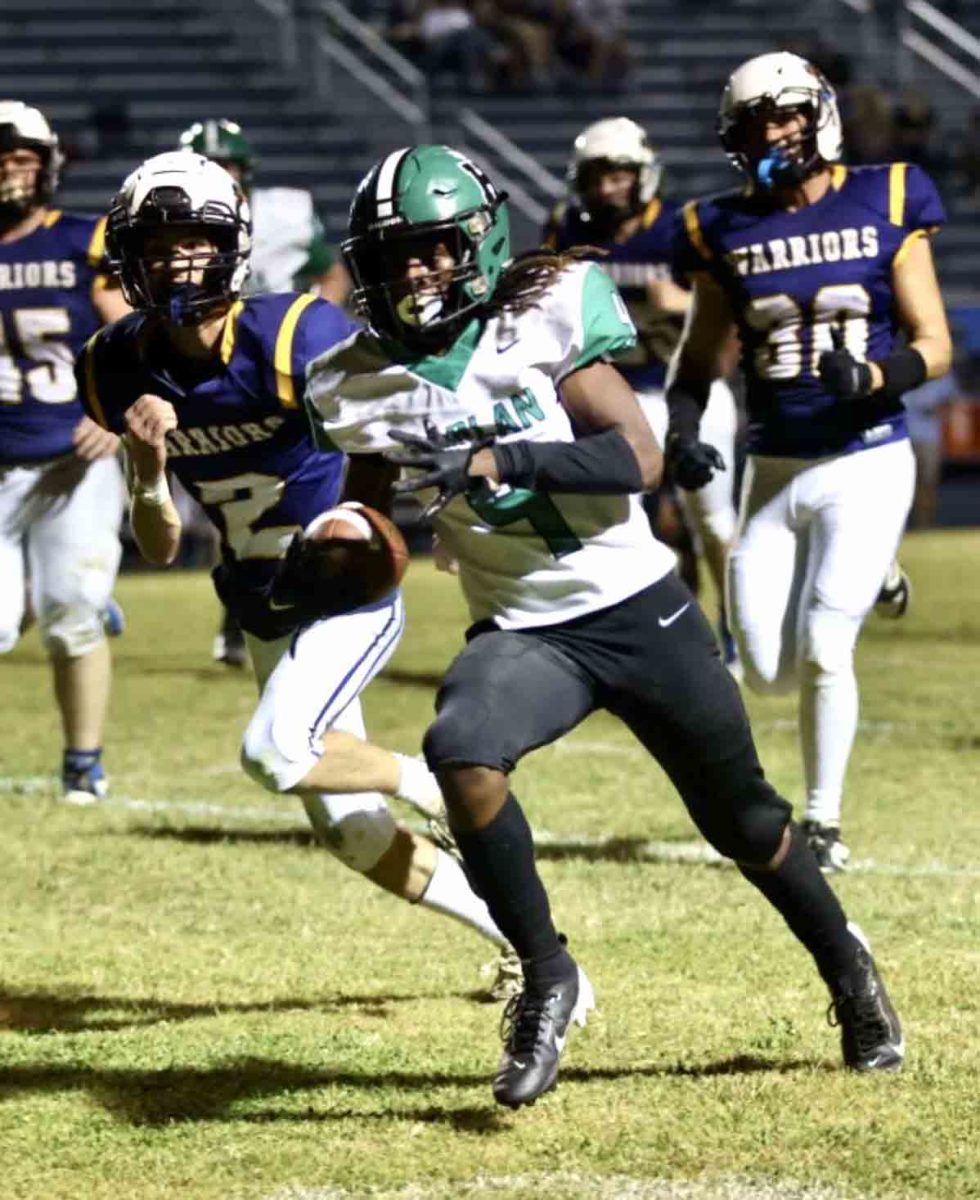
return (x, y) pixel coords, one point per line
(534, 1029)
(871, 1034)
(828, 849)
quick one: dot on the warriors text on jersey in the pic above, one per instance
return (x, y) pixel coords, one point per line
(525, 559)
(793, 277)
(632, 264)
(47, 280)
(242, 446)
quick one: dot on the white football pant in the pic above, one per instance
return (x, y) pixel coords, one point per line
(814, 543)
(61, 519)
(310, 682)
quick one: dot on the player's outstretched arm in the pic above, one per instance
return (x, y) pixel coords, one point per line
(153, 515)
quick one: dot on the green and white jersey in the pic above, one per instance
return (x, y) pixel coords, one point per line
(525, 559)
(288, 247)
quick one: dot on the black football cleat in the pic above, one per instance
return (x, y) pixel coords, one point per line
(828, 849)
(894, 595)
(534, 1029)
(871, 1034)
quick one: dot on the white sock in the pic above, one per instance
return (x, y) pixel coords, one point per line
(828, 723)
(418, 787)
(449, 892)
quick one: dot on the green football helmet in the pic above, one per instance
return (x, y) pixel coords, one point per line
(409, 204)
(223, 142)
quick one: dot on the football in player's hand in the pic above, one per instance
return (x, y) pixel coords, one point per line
(356, 543)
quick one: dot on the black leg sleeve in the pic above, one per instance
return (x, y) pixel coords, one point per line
(499, 861)
(809, 907)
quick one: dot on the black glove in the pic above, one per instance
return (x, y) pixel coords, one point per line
(445, 461)
(841, 374)
(691, 463)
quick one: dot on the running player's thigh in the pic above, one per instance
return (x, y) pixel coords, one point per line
(73, 544)
(506, 693)
(328, 664)
(860, 505)
(765, 575)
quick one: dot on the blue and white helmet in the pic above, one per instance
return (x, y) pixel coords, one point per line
(180, 190)
(765, 85)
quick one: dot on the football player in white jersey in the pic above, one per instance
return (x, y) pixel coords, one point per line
(824, 270)
(60, 486)
(490, 377)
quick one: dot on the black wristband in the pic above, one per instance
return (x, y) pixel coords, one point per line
(600, 464)
(686, 402)
(902, 370)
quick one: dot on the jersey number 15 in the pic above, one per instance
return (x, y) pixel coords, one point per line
(34, 333)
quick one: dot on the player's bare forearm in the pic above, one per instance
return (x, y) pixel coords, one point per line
(369, 480)
(153, 515)
(157, 530)
(920, 309)
(707, 333)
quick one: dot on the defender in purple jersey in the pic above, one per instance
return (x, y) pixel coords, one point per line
(209, 386)
(827, 273)
(615, 206)
(60, 489)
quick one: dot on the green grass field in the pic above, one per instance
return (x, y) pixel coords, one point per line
(197, 1002)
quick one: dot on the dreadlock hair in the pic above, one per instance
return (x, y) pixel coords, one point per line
(525, 280)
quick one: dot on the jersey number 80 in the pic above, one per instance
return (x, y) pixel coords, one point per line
(787, 323)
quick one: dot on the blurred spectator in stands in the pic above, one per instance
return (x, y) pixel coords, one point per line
(868, 130)
(925, 407)
(528, 29)
(452, 41)
(590, 35)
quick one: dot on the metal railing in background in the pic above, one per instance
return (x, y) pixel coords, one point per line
(943, 43)
(353, 69)
(514, 171)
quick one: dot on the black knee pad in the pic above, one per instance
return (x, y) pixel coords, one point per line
(744, 820)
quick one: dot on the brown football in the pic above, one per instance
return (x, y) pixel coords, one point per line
(354, 541)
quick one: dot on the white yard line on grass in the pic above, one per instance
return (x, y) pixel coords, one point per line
(630, 849)
(577, 1186)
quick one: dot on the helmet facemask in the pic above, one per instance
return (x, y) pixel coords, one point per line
(183, 288)
(22, 191)
(606, 216)
(427, 310)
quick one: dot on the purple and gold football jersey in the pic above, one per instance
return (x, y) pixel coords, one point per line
(794, 277)
(638, 260)
(47, 281)
(243, 446)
